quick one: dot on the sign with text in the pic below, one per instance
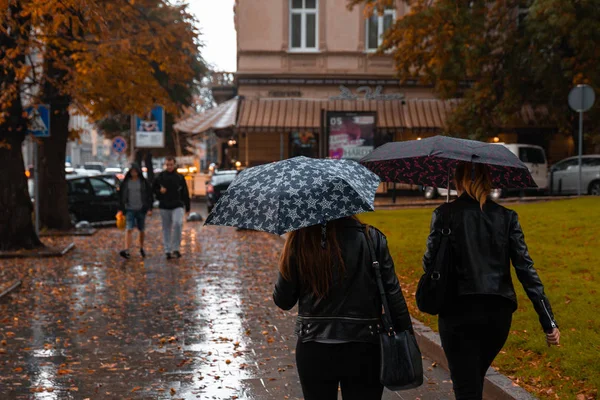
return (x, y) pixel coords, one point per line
(351, 134)
(150, 130)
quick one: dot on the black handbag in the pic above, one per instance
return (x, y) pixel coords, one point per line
(433, 291)
(401, 361)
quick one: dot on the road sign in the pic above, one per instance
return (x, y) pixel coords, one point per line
(39, 120)
(150, 130)
(119, 144)
(582, 98)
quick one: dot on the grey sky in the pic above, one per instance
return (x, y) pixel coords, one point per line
(218, 32)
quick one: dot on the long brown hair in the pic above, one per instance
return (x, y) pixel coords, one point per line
(474, 179)
(315, 264)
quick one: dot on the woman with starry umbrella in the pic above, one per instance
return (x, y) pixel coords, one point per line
(325, 267)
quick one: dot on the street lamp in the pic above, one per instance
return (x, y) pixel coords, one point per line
(232, 142)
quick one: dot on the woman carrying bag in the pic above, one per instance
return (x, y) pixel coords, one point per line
(331, 273)
(468, 279)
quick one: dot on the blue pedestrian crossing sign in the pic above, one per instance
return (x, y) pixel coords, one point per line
(119, 144)
(39, 120)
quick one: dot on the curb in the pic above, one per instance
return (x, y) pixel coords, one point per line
(496, 386)
(15, 285)
(434, 203)
(42, 253)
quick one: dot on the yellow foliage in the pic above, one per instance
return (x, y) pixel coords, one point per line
(119, 56)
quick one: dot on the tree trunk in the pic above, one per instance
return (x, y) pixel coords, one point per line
(16, 218)
(54, 205)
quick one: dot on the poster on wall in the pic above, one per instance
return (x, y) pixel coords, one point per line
(150, 130)
(351, 134)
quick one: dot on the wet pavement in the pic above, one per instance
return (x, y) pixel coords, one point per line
(93, 326)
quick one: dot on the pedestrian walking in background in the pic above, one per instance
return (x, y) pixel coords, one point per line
(484, 238)
(136, 202)
(172, 193)
(338, 308)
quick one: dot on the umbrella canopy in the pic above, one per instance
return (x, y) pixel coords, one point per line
(296, 193)
(429, 162)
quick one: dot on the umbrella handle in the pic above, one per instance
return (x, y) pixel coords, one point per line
(448, 192)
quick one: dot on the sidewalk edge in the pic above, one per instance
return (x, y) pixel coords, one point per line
(497, 386)
(15, 285)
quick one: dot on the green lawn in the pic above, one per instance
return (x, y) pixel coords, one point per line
(564, 241)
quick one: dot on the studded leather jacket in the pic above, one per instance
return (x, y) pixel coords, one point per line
(352, 309)
(483, 245)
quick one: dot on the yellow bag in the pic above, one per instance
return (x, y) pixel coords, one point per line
(121, 222)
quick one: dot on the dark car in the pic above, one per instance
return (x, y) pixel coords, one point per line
(218, 184)
(113, 179)
(92, 199)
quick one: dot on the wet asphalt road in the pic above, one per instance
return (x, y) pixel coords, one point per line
(93, 326)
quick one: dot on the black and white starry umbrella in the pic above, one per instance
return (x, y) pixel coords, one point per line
(296, 193)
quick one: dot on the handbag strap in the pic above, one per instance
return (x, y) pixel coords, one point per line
(446, 232)
(385, 309)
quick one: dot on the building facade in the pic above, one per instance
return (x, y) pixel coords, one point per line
(310, 83)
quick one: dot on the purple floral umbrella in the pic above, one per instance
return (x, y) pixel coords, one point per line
(430, 162)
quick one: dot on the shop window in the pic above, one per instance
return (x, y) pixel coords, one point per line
(303, 24)
(304, 144)
(377, 25)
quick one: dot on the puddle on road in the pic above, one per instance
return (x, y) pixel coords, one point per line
(200, 327)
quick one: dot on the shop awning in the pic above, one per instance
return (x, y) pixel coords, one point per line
(305, 114)
(221, 117)
(271, 114)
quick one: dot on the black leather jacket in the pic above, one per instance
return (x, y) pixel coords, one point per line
(352, 309)
(483, 245)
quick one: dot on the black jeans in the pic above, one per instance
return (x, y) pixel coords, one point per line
(473, 332)
(353, 366)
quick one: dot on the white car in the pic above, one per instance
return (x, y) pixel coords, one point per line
(564, 176)
(431, 193)
(86, 172)
(534, 157)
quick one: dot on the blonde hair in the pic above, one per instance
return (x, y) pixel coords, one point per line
(474, 179)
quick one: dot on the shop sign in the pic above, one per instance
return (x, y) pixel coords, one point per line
(351, 134)
(366, 93)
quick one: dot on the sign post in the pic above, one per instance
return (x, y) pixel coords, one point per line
(581, 99)
(38, 126)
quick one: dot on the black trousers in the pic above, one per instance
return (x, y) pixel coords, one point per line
(473, 332)
(352, 366)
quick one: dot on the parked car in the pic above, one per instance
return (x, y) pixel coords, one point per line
(86, 172)
(113, 170)
(94, 166)
(431, 193)
(217, 185)
(91, 199)
(112, 178)
(564, 175)
(69, 170)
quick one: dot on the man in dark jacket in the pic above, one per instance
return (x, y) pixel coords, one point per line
(172, 193)
(136, 202)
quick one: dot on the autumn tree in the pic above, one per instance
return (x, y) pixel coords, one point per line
(498, 55)
(97, 58)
